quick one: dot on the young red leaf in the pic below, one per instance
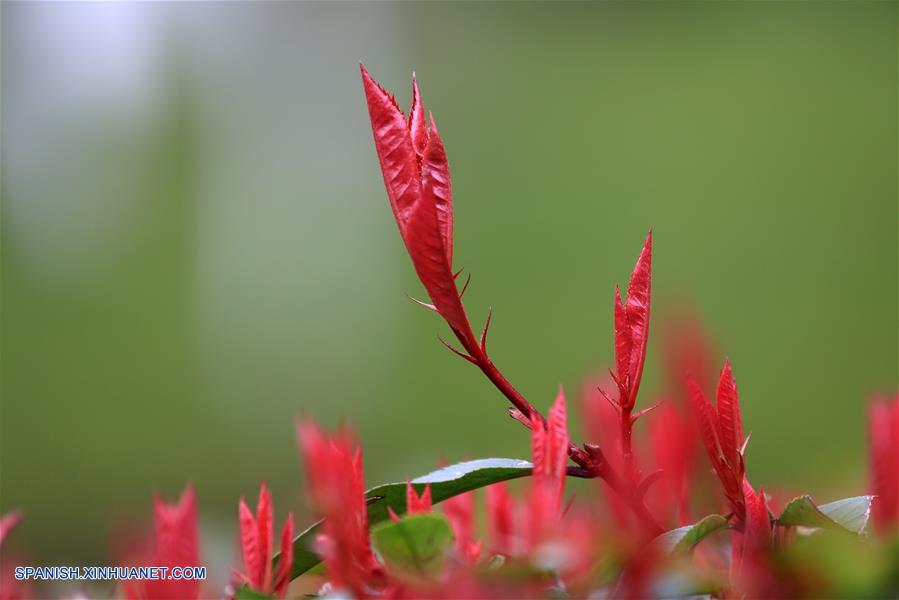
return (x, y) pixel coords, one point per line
(622, 346)
(757, 532)
(336, 485)
(285, 563)
(437, 188)
(253, 556)
(416, 504)
(707, 421)
(177, 545)
(257, 546)
(396, 154)
(417, 124)
(730, 422)
(500, 519)
(638, 299)
(549, 446)
(459, 511)
(416, 174)
(264, 525)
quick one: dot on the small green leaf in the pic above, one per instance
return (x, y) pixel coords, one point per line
(683, 539)
(445, 483)
(849, 514)
(415, 544)
(245, 593)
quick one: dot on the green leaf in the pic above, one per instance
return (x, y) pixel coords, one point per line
(683, 539)
(415, 544)
(852, 513)
(445, 483)
(245, 593)
(849, 514)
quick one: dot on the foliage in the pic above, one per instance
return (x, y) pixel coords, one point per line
(657, 532)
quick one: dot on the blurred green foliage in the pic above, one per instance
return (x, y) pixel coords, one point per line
(185, 274)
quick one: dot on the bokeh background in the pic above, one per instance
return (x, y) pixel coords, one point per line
(197, 246)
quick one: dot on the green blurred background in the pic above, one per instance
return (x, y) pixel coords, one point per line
(197, 246)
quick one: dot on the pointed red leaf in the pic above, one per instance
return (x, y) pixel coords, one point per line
(418, 504)
(177, 537)
(758, 523)
(730, 422)
(706, 420)
(285, 562)
(417, 125)
(249, 543)
(637, 309)
(399, 163)
(558, 437)
(459, 511)
(500, 518)
(622, 344)
(420, 192)
(264, 528)
(437, 188)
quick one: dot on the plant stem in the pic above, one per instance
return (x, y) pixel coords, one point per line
(591, 464)
(520, 402)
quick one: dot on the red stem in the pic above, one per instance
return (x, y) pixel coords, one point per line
(592, 464)
(520, 402)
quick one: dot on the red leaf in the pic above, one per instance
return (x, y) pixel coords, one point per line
(177, 537)
(500, 518)
(632, 327)
(730, 423)
(459, 511)
(622, 345)
(707, 420)
(285, 563)
(549, 448)
(417, 125)
(758, 524)
(637, 307)
(558, 437)
(416, 504)
(399, 163)
(249, 543)
(264, 527)
(420, 193)
(437, 188)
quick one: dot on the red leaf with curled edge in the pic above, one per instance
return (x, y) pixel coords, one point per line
(416, 174)
(730, 422)
(632, 326)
